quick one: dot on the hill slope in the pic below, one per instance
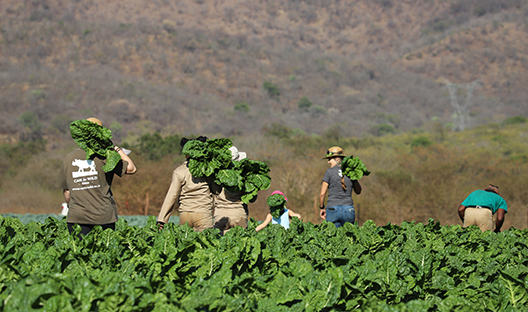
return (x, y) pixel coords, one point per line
(200, 66)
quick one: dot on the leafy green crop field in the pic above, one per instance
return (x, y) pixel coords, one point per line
(412, 267)
(130, 220)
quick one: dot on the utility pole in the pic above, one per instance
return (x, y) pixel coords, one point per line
(461, 111)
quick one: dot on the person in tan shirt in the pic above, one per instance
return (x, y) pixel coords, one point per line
(191, 196)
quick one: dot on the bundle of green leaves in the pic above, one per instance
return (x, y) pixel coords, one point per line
(246, 176)
(205, 158)
(276, 203)
(95, 139)
(354, 168)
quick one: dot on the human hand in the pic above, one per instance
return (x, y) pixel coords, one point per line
(322, 214)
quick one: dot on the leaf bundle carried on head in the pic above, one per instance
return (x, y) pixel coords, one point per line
(276, 203)
(206, 158)
(95, 139)
(246, 176)
(354, 168)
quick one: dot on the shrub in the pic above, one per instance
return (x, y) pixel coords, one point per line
(318, 110)
(304, 103)
(421, 141)
(514, 120)
(382, 129)
(272, 89)
(242, 107)
(155, 147)
(61, 123)
(278, 130)
(32, 126)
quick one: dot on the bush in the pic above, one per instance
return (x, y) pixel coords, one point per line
(155, 147)
(382, 129)
(514, 120)
(421, 141)
(272, 89)
(61, 123)
(278, 130)
(318, 110)
(304, 103)
(241, 107)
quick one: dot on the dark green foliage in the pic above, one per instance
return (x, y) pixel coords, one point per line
(276, 200)
(272, 89)
(154, 146)
(278, 130)
(242, 107)
(304, 103)
(514, 120)
(382, 129)
(412, 267)
(95, 139)
(61, 122)
(276, 203)
(354, 168)
(421, 141)
(31, 125)
(245, 176)
(16, 156)
(207, 157)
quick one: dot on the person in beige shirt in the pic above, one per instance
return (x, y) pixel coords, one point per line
(230, 211)
(191, 196)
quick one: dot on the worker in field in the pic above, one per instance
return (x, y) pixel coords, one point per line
(278, 214)
(229, 210)
(191, 196)
(340, 206)
(480, 208)
(86, 183)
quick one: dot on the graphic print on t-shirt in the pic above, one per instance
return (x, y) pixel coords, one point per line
(87, 176)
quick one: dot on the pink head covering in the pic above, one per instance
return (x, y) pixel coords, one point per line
(281, 193)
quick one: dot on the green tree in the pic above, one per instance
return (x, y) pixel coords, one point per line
(272, 89)
(304, 103)
(242, 107)
(31, 125)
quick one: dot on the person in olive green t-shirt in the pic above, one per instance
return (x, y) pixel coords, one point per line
(87, 188)
(480, 207)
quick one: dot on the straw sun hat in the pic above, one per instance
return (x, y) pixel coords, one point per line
(334, 151)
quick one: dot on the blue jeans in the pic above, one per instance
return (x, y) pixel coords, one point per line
(340, 214)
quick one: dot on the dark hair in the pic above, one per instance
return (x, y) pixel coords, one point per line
(200, 138)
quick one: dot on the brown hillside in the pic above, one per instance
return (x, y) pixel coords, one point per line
(184, 66)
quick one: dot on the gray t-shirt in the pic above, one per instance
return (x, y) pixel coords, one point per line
(336, 195)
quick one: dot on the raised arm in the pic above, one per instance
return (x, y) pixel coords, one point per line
(131, 167)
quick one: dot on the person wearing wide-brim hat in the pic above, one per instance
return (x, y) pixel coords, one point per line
(340, 206)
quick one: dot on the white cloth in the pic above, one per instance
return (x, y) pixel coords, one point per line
(283, 220)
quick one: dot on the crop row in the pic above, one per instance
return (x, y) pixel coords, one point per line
(412, 267)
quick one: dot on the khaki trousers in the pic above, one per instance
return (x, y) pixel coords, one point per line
(199, 221)
(481, 217)
(226, 219)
